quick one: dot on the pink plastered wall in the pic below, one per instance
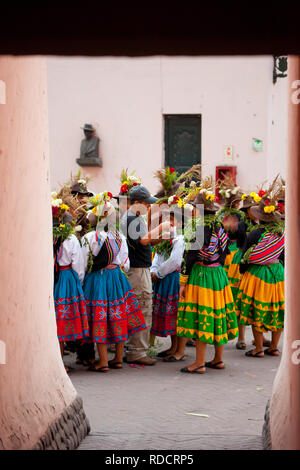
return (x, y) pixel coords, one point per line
(126, 99)
(34, 388)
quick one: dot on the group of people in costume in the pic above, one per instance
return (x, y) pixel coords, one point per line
(197, 262)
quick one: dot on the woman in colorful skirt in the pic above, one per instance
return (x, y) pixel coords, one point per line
(249, 200)
(165, 273)
(113, 309)
(70, 306)
(206, 309)
(234, 222)
(260, 301)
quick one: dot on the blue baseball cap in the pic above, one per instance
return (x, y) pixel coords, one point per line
(141, 194)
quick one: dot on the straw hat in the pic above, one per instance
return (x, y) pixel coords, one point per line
(229, 192)
(80, 189)
(203, 195)
(259, 212)
(209, 206)
(266, 210)
(247, 202)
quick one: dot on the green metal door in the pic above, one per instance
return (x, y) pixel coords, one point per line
(182, 141)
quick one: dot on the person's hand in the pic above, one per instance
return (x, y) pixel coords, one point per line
(154, 277)
(155, 236)
(182, 292)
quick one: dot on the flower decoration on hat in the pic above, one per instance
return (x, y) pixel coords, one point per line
(101, 203)
(267, 208)
(203, 194)
(79, 182)
(179, 202)
(280, 207)
(174, 184)
(173, 200)
(66, 200)
(229, 191)
(128, 182)
(251, 199)
(62, 219)
(58, 207)
(168, 180)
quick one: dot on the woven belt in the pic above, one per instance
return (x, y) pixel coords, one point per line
(275, 261)
(110, 266)
(63, 268)
(214, 265)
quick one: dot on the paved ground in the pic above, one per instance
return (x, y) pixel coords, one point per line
(147, 408)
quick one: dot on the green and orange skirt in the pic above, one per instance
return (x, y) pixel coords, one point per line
(234, 275)
(233, 249)
(260, 299)
(207, 311)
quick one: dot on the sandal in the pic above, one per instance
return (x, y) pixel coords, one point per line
(240, 345)
(191, 343)
(115, 365)
(100, 369)
(163, 354)
(194, 371)
(214, 366)
(249, 353)
(270, 352)
(173, 359)
(85, 362)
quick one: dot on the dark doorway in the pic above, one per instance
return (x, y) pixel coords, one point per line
(182, 141)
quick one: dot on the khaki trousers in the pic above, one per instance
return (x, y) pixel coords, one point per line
(140, 280)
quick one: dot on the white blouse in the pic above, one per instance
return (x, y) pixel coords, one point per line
(89, 241)
(71, 253)
(161, 266)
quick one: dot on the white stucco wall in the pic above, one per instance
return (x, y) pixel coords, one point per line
(126, 98)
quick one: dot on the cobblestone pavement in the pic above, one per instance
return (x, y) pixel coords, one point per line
(147, 408)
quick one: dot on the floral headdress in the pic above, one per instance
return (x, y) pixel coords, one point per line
(229, 191)
(63, 223)
(78, 184)
(251, 199)
(179, 202)
(269, 207)
(174, 185)
(191, 177)
(128, 182)
(168, 180)
(185, 194)
(59, 208)
(101, 203)
(75, 205)
(204, 194)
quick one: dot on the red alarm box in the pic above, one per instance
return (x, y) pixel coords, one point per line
(225, 170)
